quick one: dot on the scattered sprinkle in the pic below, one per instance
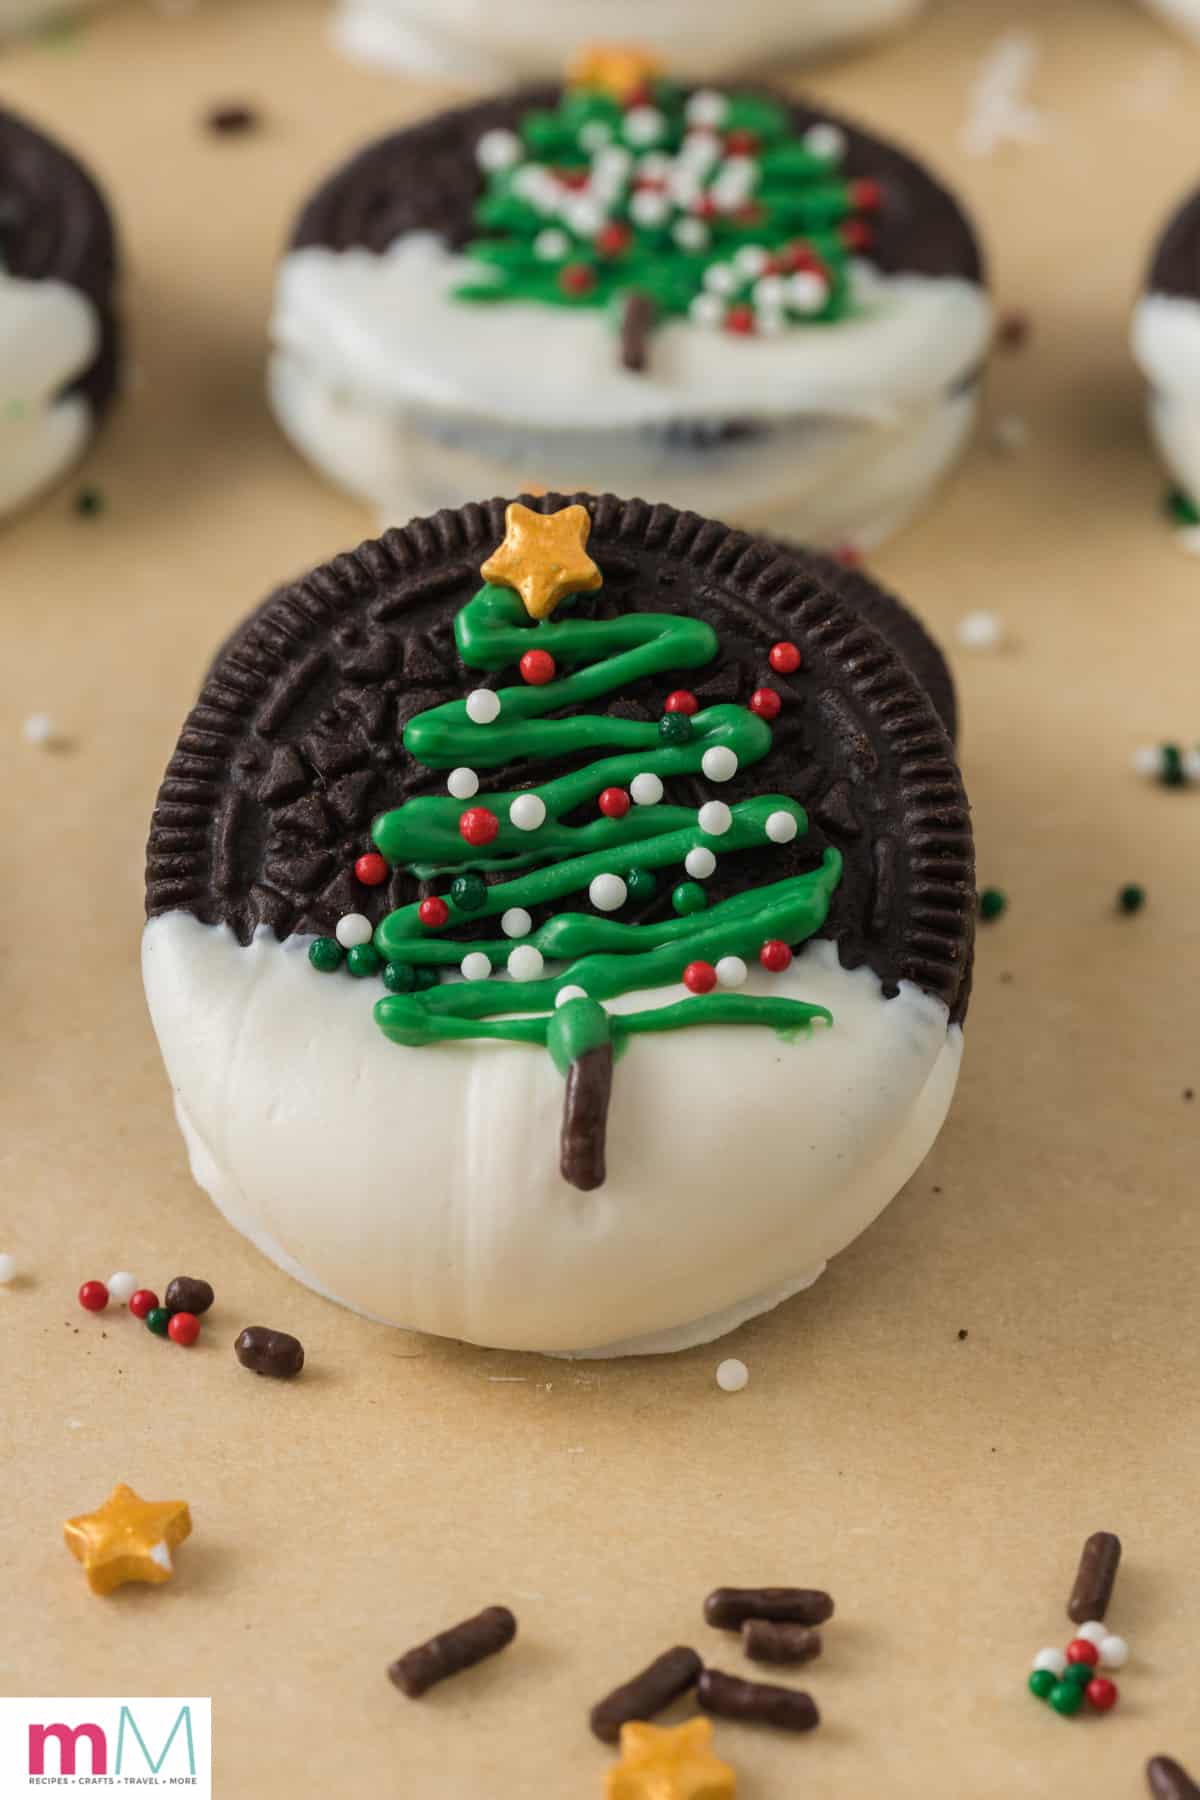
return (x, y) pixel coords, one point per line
(1187, 539)
(1010, 434)
(1013, 330)
(962, 1334)
(732, 1375)
(980, 631)
(8, 1269)
(89, 501)
(1180, 507)
(992, 903)
(1132, 898)
(999, 109)
(40, 729)
(232, 120)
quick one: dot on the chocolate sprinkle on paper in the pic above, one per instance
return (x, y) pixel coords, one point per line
(757, 1702)
(1168, 1781)
(648, 1694)
(764, 1641)
(729, 1608)
(1095, 1577)
(451, 1651)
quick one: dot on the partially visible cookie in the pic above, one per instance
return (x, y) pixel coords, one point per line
(1166, 343)
(59, 343)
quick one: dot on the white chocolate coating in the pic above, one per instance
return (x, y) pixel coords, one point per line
(415, 400)
(421, 1186)
(49, 334)
(1184, 15)
(481, 42)
(1166, 345)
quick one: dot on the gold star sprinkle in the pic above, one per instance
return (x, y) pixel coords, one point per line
(621, 70)
(676, 1764)
(544, 557)
(127, 1539)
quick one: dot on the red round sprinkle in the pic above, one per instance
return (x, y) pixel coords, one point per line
(700, 977)
(615, 803)
(612, 238)
(766, 703)
(93, 1296)
(775, 956)
(681, 701)
(856, 234)
(576, 278)
(750, 214)
(537, 667)
(435, 912)
(705, 207)
(1101, 1693)
(848, 556)
(371, 869)
(1081, 1650)
(573, 178)
(650, 184)
(784, 658)
(867, 196)
(183, 1328)
(740, 319)
(740, 142)
(143, 1302)
(479, 826)
(642, 95)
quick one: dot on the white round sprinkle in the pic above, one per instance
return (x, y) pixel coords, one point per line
(691, 234)
(751, 259)
(570, 992)
(1094, 1632)
(354, 929)
(1114, 1652)
(607, 893)
(771, 291)
(699, 150)
(583, 215)
(551, 245)
(498, 150)
(525, 963)
(613, 163)
(706, 309)
(1191, 764)
(516, 922)
(8, 1269)
(979, 630)
(781, 827)
(39, 728)
(655, 165)
(462, 784)
(732, 971)
(732, 1375)
(644, 125)
(527, 812)
(483, 706)
(700, 863)
(594, 135)
(1187, 537)
(1054, 1660)
(719, 763)
(714, 818)
(825, 140)
(649, 208)
(706, 107)
(646, 789)
(770, 322)
(720, 278)
(121, 1286)
(476, 966)
(807, 291)
(1148, 760)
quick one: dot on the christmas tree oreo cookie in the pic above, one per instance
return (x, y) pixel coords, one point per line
(1166, 344)
(560, 921)
(718, 296)
(58, 331)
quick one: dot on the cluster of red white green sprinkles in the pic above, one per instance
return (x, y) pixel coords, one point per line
(1065, 1679)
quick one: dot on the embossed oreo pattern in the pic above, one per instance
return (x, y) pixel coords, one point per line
(295, 742)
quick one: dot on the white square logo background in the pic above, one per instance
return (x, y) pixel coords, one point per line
(152, 1745)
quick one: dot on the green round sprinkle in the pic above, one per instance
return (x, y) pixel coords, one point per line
(992, 902)
(1080, 1673)
(1066, 1697)
(364, 959)
(639, 883)
(1181, 508)
(689, 897)
(1172, 774)
(675, 728)
(1131, 899)
(157, 1320)
(399, 977)
(88, 502)
(325, 954)
(1042, 1683)
(425, 978)
(468, 891)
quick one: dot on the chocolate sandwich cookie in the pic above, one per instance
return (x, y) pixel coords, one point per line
(728, 298)
(533, 880)
(59, 347)
(1166, 345)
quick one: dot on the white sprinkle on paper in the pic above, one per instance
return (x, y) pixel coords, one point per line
(999, 108)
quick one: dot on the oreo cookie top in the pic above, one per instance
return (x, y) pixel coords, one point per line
(294, 747)
(55, 225)
(427, 178)
(1175, 264)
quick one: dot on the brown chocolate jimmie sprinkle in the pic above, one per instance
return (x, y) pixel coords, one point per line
(670, 1675)
(729, 1608)
(230, 121)
(269, 1352)
(188, 1294)
(1095, 1576)
(637, 325)
(585, 1118)
(1168, 1781)
(764, 1641)
(757, 1701)
(451, 1651)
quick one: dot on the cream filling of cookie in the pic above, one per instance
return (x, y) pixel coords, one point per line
(478, 40)
(421, 1186)
(49, 334)
(415, 400)
(1166, 344)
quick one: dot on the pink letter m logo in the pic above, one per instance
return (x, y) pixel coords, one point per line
(67, 1737)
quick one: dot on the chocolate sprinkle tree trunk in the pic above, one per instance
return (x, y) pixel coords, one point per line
(585, 1118)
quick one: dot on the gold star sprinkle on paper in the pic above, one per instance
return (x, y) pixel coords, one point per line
(544, 557)
(673, 1764)
(127, 1539)
(621, 70)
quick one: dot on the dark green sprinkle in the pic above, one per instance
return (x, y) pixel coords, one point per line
(399, 977)
(640, 883)
(425, 978)
(1042, 1682)
(1080, 1673)
(1180, 507)
(364, 959)
(468, 891)
(675, 728)
(992, 902)
(1066, 1697)
(325, 954)
(1131, 899)
(88, 502)
(1172, 774)
(689, 897)
(157, 1320)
